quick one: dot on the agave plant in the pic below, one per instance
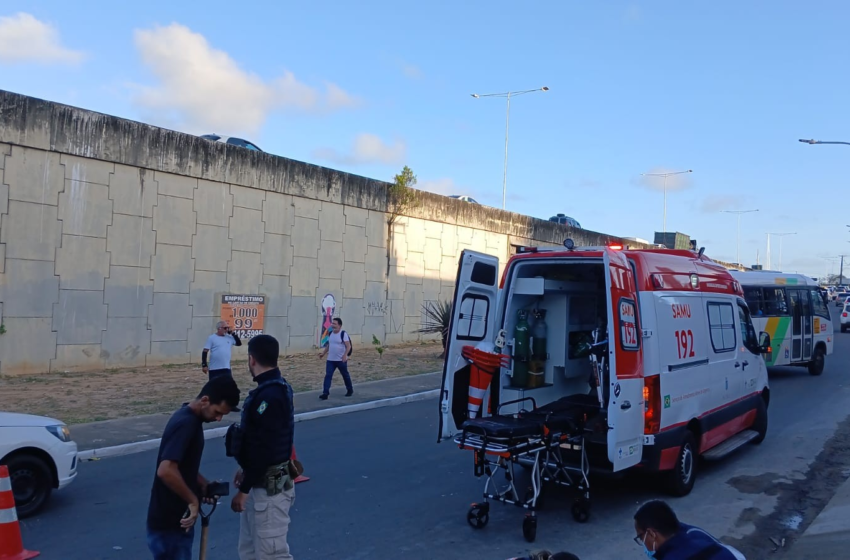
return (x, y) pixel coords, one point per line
(437, 317)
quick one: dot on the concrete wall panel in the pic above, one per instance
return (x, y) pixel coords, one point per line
(355, 244)
(376, 229)
(353, 318)
(85, 209)
(29, 289)
(278, 213)
(330, 260)
(246, 230)
(306, 237)
(130, 241)
(306, 208)
(213, 203)
(169, 352)
(86, 169)
(82, 263)
(305, 276)
(34, 176)
(174, 220)
(244, 197)
(133, 191)
(278, 295)
(332, 222)
(126, 342)
(205, 293)
(28, 345)
(128, 291)
(354, 216)
(211, 248)
(31, 231)
(277, 254)
(176, 185)
(353, 280)
(170, 317)
(173, 269)
(245, 273)
(73, 357)
(79, 317)
(303, 316)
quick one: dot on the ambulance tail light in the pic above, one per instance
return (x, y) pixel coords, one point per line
(615, 247)
(652, 404)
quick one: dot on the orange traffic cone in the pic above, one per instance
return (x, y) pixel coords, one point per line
(301, 477)
(11, 545)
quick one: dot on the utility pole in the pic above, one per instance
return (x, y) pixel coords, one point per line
(738, 238)
(841, 270)
(781, 235)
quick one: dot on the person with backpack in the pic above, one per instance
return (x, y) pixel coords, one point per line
(338, 349)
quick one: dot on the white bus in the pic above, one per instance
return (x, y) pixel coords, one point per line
(791, 309)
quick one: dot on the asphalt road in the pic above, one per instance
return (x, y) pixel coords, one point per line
(382, 488)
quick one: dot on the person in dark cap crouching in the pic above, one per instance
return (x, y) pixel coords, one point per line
(262, 445)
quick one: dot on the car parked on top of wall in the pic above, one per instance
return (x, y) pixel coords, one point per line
(40, 455)
(565, 220)
(233, 141)
(464, 198)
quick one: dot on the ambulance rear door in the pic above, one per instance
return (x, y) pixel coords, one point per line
(472, 322)
(626, 406)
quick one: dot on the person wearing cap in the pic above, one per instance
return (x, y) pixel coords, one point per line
(265, 478)
(178, 485)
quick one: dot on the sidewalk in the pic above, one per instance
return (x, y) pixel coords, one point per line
(140, 433)
(829, 534)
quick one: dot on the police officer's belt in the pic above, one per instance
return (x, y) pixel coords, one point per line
(277, 479)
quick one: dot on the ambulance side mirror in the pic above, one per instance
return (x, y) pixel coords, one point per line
(764, 343)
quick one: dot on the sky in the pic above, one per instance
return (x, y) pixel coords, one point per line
(724, 88)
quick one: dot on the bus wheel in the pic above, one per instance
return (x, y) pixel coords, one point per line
(817, 363)
(680, 481)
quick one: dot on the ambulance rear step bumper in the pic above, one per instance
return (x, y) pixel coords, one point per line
(730, 445)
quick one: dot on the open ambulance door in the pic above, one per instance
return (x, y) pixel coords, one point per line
(472, 322)
(626, 404)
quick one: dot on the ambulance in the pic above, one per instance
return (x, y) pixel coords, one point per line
(791, 309)
(661, 339)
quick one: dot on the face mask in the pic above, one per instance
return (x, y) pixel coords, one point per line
(649, 553)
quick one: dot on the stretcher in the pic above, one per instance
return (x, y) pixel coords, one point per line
(537, 437)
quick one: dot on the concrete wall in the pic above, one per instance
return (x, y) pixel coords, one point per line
(117, 240)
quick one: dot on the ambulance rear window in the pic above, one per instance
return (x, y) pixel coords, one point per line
(483, 273)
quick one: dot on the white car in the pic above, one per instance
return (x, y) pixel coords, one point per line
(845, 318)
(233, 141)
(40, 455)
(464, 198)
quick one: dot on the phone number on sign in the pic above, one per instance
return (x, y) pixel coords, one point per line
(242, 333)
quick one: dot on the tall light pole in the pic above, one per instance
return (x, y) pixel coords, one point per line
(665, 175)
(738, 213)
(832, 266)
(508, 95)
(780, 235)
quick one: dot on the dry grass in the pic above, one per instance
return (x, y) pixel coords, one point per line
(102, 395)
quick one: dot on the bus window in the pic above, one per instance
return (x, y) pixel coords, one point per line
(820, 307)
(754, 301)
(748, 332)
(774, 302)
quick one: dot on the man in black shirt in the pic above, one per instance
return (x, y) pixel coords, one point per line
(266, 490)
(178, 484)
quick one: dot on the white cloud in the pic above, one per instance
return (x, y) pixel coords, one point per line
(653, 181)
(718, 202)
(367, 148)
(23, 38)
(411, 70)
(204, 88)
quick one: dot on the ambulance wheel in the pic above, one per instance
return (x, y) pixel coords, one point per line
(760, 425)
(581, 511)
(529, 528)
(680, 480)
(478, 516)
(817, 363)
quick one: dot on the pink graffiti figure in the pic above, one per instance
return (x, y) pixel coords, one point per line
(328, 307)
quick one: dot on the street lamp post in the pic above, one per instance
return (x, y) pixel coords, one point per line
(780, 235)
(508, 95)
(665, 175)
(738, 213)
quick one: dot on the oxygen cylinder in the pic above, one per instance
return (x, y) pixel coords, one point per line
(521, 354)
(539, 334)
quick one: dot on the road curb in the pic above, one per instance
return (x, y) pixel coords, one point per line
(147, 445)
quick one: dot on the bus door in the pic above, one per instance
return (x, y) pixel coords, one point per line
(802, 333)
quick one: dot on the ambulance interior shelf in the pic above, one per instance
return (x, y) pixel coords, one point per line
(571, 297)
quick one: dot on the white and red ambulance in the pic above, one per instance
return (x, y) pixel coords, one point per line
(683, 374)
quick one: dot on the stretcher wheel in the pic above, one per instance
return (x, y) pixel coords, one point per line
(478, 516)
(529, 528)
(581, 511)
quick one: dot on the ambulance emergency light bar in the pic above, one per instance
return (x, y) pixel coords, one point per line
(570, 245)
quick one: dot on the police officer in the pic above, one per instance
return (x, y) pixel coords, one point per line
(265, 479)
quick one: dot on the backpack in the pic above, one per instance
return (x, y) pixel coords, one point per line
(342, 339)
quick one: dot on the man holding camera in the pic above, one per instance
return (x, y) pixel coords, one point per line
(178, 485)
(218, 347)
(262, 445)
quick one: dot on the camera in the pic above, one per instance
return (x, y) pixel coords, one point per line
(218, 489)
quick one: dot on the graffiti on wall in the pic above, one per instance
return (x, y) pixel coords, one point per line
(326, 315)
(377, 308)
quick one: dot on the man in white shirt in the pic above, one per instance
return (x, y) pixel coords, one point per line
(337, 349)
(218, 347)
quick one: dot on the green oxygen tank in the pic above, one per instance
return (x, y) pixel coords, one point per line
(539, 332)
(521, 351)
